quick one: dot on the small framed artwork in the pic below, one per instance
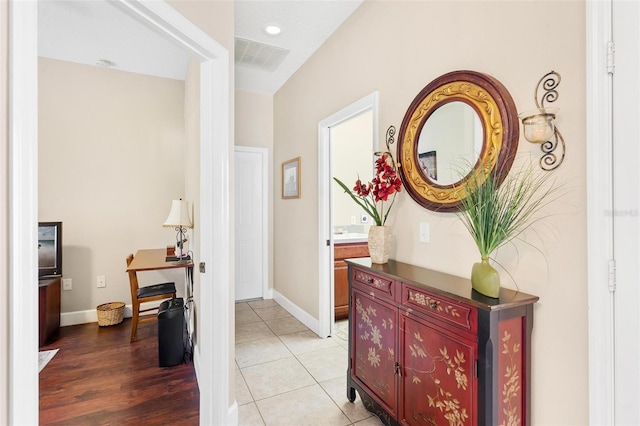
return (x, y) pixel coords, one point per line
(291, 179)
(429, 163)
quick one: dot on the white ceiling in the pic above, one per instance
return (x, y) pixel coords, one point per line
(89, 30)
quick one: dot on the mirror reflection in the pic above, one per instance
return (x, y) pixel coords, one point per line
(461, 126)
(450, 143)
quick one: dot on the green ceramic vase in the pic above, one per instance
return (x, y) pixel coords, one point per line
(485, 279)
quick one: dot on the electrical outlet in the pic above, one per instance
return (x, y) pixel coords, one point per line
(424, 232)
(353, 220)
(67, 284)
(364, 219)
(102, 282)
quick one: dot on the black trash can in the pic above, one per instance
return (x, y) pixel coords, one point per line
(171, 328)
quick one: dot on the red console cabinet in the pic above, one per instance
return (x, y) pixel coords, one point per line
(425, 349)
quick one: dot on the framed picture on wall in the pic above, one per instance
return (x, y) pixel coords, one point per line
(291, 179)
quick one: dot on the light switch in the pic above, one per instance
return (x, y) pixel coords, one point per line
(424, 232)
(67, 284)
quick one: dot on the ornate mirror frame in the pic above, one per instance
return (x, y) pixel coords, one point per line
(497, 111)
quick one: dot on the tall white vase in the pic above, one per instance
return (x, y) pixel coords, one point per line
(379, 243)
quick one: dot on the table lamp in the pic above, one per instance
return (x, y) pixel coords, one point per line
(180, 220)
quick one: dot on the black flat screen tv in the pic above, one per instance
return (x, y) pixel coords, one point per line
(49, 249)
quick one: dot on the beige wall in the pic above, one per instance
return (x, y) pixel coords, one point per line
(397, 48)
(214, 17)
(352, 157)
(254, 120)
(254, 128)
(4, 218)
(111, 159)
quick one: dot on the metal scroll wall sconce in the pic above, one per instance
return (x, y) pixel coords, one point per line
(389, 140)
(539, 124)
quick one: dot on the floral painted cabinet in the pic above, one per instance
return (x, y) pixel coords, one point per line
(425, 349)
(375, 348)
(439, 382)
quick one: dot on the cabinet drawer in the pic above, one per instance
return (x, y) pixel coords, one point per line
(443, 308)
(381, 285)
(346, 251)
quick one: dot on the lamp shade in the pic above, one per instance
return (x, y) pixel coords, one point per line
(179, 215)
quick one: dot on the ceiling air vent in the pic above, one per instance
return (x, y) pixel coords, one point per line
(256, 55)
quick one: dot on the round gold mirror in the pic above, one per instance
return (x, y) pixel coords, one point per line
(463, 125)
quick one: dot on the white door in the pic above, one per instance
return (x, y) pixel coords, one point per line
(250, 222)
(626, 197)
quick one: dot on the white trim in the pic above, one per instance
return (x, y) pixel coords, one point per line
(232, 415)
(85, 317)
(325, 252)
(217, 288)
(214, 369)
(300, 314)
(91, 315)
(23, 212)
(163, 18)
(266, 184)
(4, 210)
(599, 219)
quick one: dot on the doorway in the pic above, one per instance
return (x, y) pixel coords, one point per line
(213, 369)
(325, 184)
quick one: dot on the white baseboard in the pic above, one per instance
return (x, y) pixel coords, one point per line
(301, 315)
(233, 413)
(85, 317)
(78, 317)
(196, 359)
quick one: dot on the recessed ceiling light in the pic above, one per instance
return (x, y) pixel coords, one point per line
(272, 29)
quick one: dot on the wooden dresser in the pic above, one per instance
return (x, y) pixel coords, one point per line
(49, 294)
(342, 251)
(426, 349)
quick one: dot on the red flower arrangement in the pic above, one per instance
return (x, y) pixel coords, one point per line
(385, 184)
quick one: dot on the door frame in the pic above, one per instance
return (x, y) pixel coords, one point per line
(266, 184)
(599, 218)
(212, 366)
(326, 309)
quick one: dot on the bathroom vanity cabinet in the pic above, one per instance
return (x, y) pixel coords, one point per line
(342, 251)
(426, 349)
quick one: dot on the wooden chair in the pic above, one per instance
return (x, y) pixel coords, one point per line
(141, 295)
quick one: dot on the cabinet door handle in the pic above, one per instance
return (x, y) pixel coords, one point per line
(397, 369)
(370, 280)
(433, 304)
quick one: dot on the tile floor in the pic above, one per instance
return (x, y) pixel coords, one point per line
(287, 375)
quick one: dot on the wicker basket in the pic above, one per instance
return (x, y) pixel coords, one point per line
(110, 313)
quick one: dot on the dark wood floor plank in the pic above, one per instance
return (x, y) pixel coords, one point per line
(99, 378)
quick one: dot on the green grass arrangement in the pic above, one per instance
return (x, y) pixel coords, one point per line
(496, 214)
